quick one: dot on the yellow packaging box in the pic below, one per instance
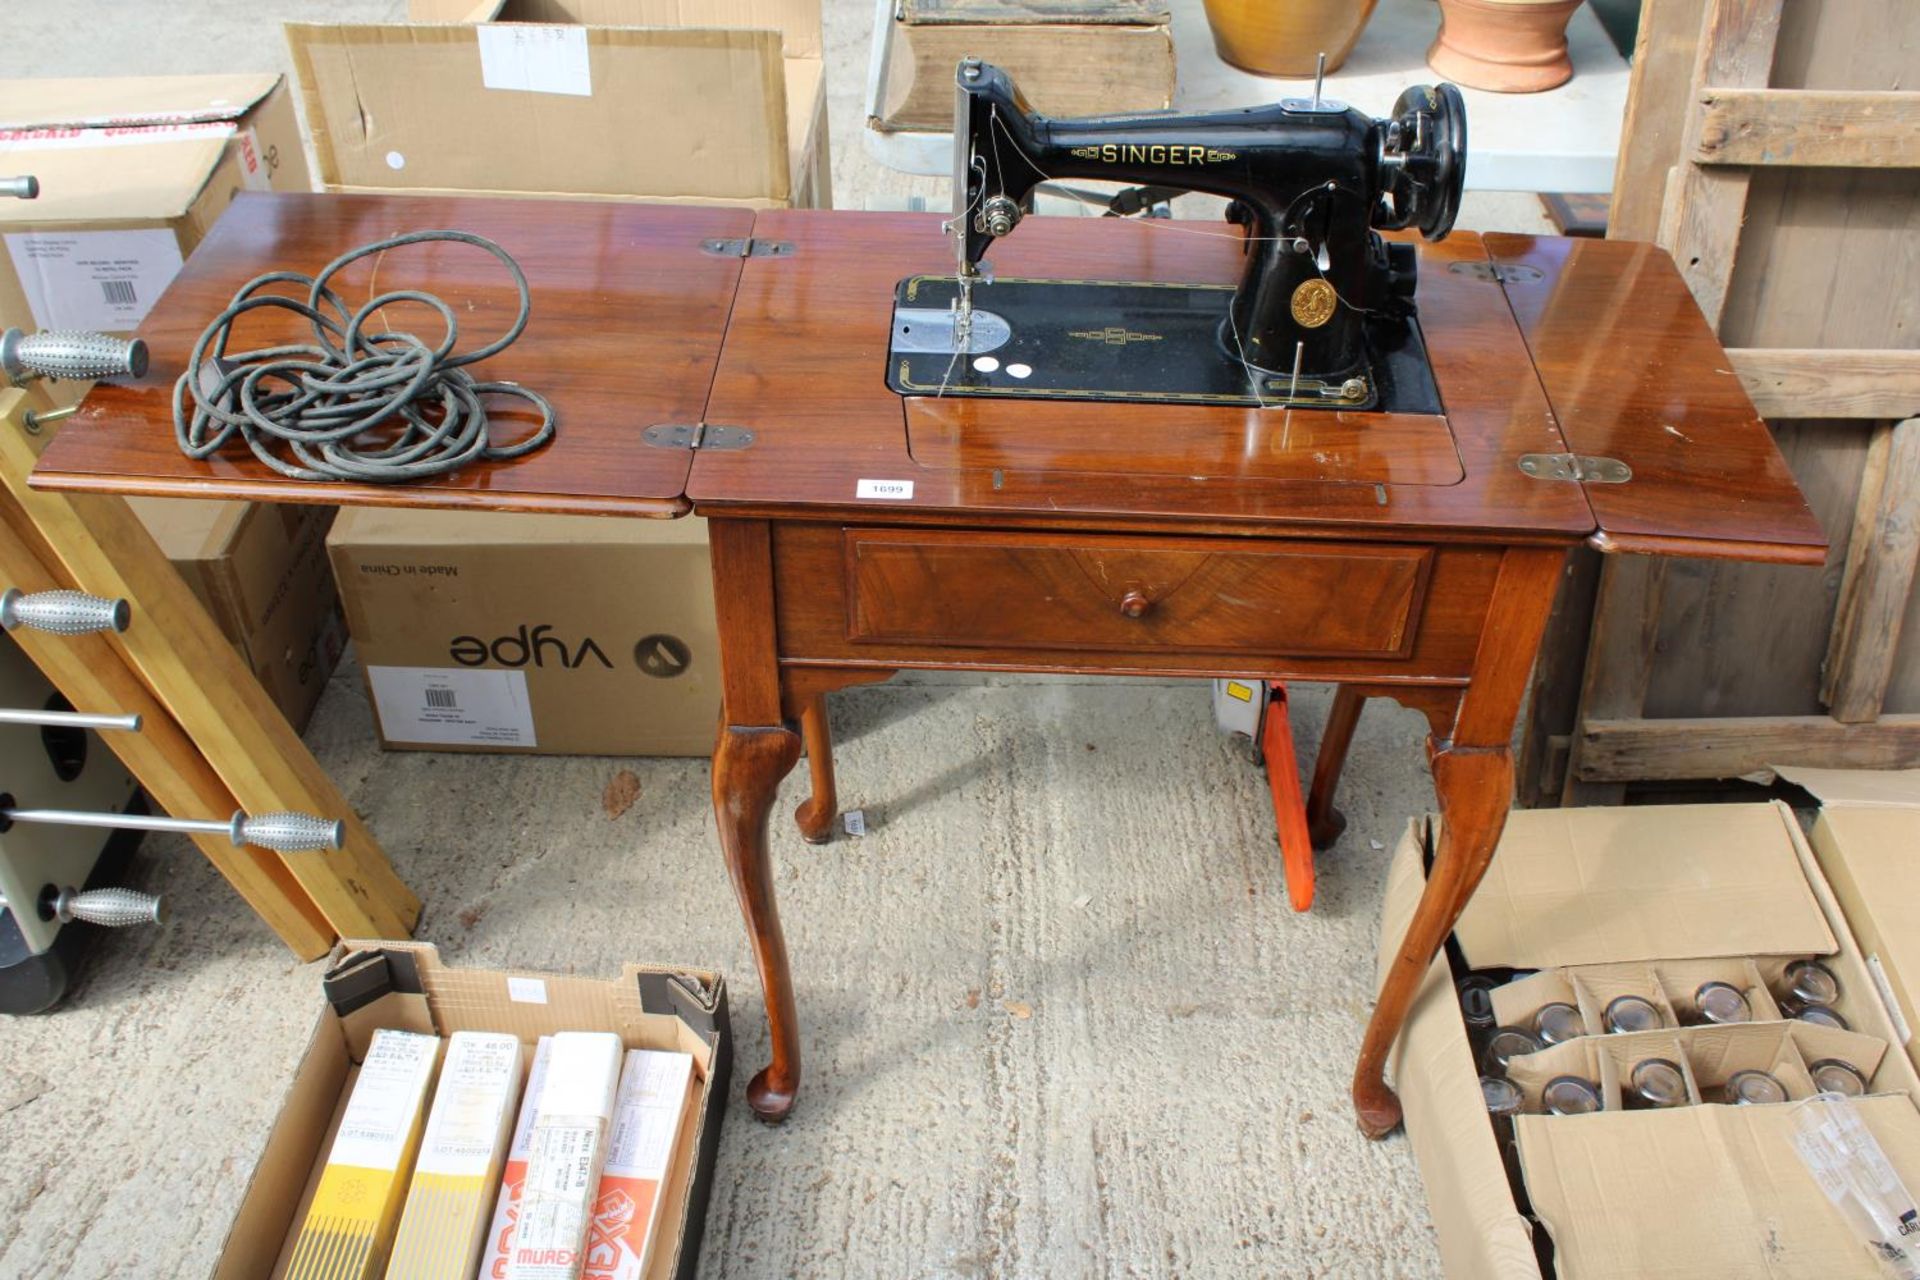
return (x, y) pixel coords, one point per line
(465, 1145)
(351, 1221)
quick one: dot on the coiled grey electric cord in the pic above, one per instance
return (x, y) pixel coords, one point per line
(370, 407)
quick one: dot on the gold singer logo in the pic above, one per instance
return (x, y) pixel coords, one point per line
(1113, 335)
(1153, 153)
(1313, 303)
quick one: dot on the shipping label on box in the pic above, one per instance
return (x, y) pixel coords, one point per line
(452, 706)
(105, 280)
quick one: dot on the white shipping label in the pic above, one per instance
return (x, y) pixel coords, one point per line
(527, 990)
(533, 58)
(379, 1115)
(451, 705)
(105, 280)
(889, 490)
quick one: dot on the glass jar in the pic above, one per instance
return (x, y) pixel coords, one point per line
(1504, 1102)
(1753, 1088)
(1476, 1000)
(1821, 1016)
(1632, 1013)
(1654, 1084)
(1721, 1004)
(1571, 1096)
(1506, 1044)
(1808, 982)
(1557, 1023)
(1834, 1075)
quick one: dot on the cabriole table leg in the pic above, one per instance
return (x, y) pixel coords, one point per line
(747, 767)
(816, 814)
(1475, 790)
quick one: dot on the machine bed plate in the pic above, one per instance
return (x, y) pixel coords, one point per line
(1119, 340)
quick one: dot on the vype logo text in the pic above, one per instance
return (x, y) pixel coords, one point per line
(523, 647)
(660, 655)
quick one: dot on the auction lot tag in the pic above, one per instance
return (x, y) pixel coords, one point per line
(886, 490)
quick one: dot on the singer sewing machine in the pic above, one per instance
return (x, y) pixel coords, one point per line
(1323, 314)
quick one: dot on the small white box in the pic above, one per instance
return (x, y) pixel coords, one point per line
(565, 1157)
(446, 1216)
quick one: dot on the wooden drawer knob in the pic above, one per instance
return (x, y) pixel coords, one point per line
(1135, 604)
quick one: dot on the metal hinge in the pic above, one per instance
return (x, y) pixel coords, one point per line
(1503, 273)
(1575, 466)
(748, 248)
(698, 435)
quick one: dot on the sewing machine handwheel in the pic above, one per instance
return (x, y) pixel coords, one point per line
(1435, 176)
(1450, 146)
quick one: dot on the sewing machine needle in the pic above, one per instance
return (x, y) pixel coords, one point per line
(1293, 392)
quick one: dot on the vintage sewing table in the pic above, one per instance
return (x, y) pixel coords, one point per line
(855, 533)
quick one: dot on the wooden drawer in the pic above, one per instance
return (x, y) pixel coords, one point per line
(1075, 592)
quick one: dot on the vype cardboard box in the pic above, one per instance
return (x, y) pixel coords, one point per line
(133, 172)
(403, 986)
(569, 635)
(712, 101)
(1082, 58)
(261, 571)
(1667, 892)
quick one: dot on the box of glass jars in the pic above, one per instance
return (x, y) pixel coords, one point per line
(1601, 1071)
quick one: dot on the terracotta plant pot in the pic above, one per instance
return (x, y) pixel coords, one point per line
(1508, 46)
(1286, 37)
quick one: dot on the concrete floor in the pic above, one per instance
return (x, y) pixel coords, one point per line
(1059, 1018)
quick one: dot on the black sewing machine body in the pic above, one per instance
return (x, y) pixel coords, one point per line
(1322, 316)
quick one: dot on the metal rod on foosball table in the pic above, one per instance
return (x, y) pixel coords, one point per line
(68, 720)
(282, 832)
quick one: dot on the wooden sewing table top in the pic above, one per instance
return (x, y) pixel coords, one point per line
(1587, 347)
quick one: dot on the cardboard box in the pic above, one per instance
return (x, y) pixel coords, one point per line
(558, 634)
(1081, 58)
(1867, 840)
(404, 986)
(133, 172)
(261, 571)
(1705, 1190)
(715, 101)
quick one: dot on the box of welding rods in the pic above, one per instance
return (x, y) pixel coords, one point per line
(449, 1123)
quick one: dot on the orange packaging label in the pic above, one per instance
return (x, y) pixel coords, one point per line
(646, 1130)
(622, 1222)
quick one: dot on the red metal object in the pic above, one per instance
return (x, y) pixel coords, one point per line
(1289, 802)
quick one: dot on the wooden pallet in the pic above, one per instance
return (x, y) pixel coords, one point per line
(1794, 214)
(213, 741)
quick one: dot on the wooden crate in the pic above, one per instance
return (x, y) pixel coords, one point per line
(1771, 148)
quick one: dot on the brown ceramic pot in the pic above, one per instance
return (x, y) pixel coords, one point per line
(1508, 46)
(1286, 37)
